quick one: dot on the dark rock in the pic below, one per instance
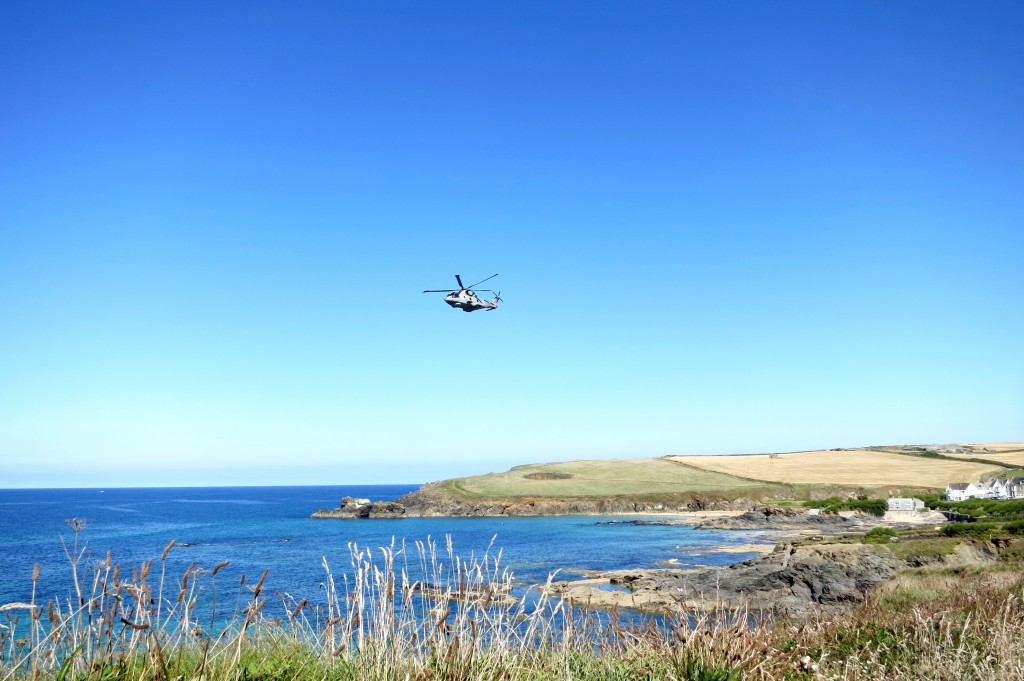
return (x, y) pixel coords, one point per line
(792, 579)
(770, 518)
(386, 509)
(363, 508)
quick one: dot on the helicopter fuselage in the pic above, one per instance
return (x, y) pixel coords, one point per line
(467, 301)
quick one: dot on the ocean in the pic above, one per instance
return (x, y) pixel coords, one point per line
(269, 528)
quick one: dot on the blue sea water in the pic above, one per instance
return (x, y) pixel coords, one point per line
(258, 528)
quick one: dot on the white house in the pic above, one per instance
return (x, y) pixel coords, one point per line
(960, 491)
(997, 488)
(1015, 488)
(904, 504)
(956, 491)
(990, 489)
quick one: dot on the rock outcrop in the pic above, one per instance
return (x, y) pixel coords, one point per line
(362, 508)
(771, 518)
(792, 580)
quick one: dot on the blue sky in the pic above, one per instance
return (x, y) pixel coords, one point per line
(719, 227)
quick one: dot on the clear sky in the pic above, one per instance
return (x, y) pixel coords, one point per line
(719, 226)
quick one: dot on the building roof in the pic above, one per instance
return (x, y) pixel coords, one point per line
(959, 486)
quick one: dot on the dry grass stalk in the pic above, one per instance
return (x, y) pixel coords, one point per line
(425, 611)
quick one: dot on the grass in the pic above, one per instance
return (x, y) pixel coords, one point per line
(142, 625)
(924, 547)
(600, 478)
(874, 471)
(377, 621)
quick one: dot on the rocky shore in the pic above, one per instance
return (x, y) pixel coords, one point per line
(791, 580)
(795, 520)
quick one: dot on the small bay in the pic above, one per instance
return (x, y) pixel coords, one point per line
(268, 528)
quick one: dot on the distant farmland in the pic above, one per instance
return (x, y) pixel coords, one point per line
(1009, 453)
(852, 467)
(1000, 446)
(755, 475)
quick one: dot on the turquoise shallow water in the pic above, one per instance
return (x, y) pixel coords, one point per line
(259, 528)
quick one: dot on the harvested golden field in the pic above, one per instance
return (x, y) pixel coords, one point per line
(999, 446)
(1010, 453)
(598, 478)
(1009, 458)
(853, 467)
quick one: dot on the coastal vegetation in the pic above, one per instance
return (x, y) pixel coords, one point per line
(895, 603)
(876, 507)
(978, 508)
(950, 619)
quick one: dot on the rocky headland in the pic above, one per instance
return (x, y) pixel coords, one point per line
(434, 501)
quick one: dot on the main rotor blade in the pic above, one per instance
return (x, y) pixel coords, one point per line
(441, 290)
(459, 279)
(481, 281)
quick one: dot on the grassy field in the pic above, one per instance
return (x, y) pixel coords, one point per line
(600, 478)
(754, 475)
(852, 467)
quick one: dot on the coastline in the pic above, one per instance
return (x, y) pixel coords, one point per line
(807, 562)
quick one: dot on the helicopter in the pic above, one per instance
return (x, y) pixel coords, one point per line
(466, 299)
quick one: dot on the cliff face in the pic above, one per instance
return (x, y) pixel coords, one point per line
(434, 500)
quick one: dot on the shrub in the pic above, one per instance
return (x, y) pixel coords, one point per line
(977, 530)
(879, 535)
(822, 503)
(882, 532)
(1016, 527)
(873, 506)
(835, 504)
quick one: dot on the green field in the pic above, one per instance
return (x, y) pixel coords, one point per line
(600, 478)
(876, 471)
